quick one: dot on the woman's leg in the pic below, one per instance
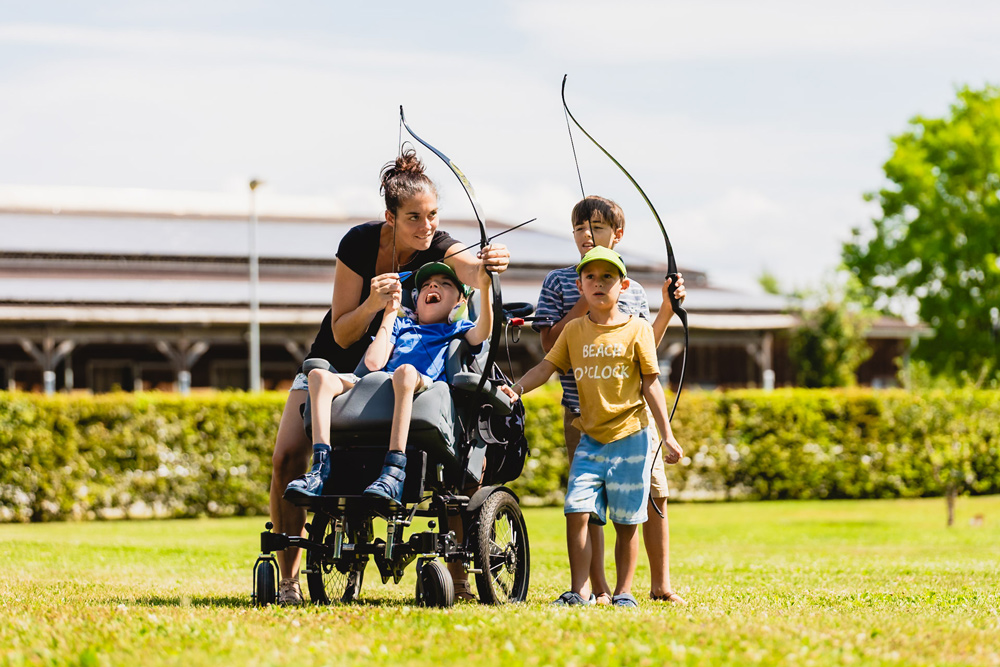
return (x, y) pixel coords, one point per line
(291, 458)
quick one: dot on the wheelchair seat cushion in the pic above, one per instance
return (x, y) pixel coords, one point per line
(364, 415)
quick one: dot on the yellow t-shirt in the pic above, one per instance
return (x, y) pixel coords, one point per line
(608, 362)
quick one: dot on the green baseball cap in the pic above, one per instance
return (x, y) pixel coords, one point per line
(604, 254)
(434, 268)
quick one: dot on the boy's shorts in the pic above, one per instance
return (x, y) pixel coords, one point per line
(301, 381)
(658, 482)
(612, 480)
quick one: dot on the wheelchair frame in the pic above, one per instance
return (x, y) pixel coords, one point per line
(340, 537)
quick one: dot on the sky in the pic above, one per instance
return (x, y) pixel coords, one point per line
(754, 127)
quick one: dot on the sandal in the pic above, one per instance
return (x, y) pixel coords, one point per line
(669, 596)
(463, 591)
(289, 593)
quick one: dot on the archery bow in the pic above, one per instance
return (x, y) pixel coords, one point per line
(671, 262)
(483, 241)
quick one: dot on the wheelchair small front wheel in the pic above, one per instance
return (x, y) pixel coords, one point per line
(333, 580)
(500, 550)
(264, 587)
(435, 587)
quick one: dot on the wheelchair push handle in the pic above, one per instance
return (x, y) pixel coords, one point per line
(514, 313)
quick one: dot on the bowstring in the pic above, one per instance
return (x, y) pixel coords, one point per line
(579, 174)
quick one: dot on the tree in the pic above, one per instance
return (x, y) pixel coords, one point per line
(937, 240)
(769, 282)
(829, 346)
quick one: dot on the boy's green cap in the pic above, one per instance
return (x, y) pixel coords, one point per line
(434, 268)
(605, 254)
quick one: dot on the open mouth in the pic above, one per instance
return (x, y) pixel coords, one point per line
(432, 297)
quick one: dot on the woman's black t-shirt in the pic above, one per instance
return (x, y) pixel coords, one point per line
(359, 251)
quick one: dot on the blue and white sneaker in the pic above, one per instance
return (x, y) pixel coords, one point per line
(389, 485)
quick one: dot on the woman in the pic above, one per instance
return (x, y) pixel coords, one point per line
(369, 260)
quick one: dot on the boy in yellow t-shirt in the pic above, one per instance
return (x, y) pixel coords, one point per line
(613, 357)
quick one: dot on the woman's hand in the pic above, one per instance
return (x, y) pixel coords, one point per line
(495, 257)
(668, 287)
(385, 289)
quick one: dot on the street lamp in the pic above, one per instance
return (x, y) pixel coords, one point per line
(254, 297)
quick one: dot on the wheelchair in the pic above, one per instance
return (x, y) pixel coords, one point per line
(465, 436)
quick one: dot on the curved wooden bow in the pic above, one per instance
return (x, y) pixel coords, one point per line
(671, 262)
(483, 241)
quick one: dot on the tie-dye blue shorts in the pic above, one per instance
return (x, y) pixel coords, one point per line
(612, 480)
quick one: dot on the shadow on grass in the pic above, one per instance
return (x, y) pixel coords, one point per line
(243, 601)
(231, 601)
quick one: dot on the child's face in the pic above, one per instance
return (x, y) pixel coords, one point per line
(601, 283)
(603, 234)
(416, 220)
(437, 297)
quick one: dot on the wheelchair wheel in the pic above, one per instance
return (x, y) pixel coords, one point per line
(333, 580)
(434, 586)
(500, 548)
(265, 592)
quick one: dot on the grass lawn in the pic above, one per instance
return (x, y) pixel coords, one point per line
(834, 582)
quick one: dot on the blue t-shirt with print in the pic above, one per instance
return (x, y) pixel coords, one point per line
(558, 296)
(423, 346)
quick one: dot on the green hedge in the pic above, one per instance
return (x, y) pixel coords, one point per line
(164, 455)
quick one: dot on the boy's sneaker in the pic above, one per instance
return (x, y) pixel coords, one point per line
(571, 599)
(311, 484)
(624, 600)
(290, 593)
(389, 484)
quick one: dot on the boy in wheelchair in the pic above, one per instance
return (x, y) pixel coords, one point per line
(413, 349)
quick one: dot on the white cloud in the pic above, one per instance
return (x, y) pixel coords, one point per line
(642, 30)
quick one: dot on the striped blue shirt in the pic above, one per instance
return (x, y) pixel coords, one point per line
(558, 296)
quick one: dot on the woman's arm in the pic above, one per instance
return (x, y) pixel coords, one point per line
(495, 256)
(351, 316)
(377, 354)
(484, 324)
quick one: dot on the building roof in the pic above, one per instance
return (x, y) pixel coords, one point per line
(112, 255)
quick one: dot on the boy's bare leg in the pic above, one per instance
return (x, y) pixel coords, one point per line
(656, 536)
(626, 556)
(324, 386)
(579, 547)
(598, 579)
(292, 451)
(405, 381)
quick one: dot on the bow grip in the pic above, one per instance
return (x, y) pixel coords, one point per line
(675, 303)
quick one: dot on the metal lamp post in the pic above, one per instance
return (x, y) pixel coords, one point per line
(254, 296)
